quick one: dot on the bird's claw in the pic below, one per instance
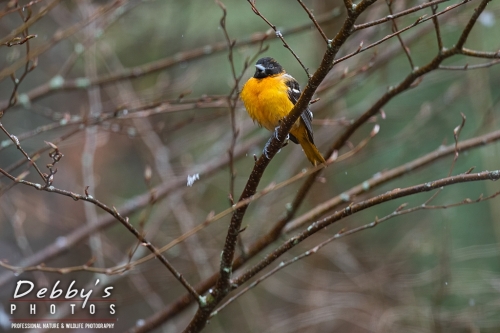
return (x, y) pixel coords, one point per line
(287, 139)
(275, 135)
(266, 147)
(276, 130)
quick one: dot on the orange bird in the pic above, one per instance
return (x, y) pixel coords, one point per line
(270, 95)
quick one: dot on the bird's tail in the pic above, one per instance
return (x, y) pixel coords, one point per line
(312, 153)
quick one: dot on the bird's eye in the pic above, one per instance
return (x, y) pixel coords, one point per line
(271, 66)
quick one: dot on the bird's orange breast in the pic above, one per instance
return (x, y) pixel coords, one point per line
(266, 100)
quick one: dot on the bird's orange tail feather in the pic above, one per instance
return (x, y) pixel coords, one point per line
(312, 153)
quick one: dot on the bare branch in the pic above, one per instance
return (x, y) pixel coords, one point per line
(311, 16)
(470, 67)
(342, 233)
(123, 220)
(395, 29)
(386, 176)
(356, 207)
(435, 21)
(279, 34)
(400, 14)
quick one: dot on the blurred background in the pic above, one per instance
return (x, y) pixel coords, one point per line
(135, 96)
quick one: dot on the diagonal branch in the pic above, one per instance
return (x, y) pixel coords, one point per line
(222, 286)
(357, 207)
(123, 220)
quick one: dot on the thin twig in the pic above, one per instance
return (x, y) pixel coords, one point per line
(232, 101)
(123, 220)
(275, 231)
(456, 135)
(356, 207)
(393, 91)
(32, 20)
(131, 206)
(388, 175)
(395, 29)
(397, 33)
(435, 21)
(155, 66)
(311, 16)
(342, 233)
(480, 54)
(223, 282)
(56, 38)
(199, 320)
(470, 67)
(279, 34)
(216, 217)
(400, 14)
(17, 8)
(16, 142)
(27, 67)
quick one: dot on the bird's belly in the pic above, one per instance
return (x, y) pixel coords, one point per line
(272, 110)
(271, 104)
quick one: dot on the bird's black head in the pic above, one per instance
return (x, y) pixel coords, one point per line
(267, 67)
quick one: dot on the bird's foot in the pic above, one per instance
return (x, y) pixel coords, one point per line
(275, 135)
(276, 130)
(266, 148)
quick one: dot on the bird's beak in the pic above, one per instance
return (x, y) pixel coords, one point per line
(260, 67)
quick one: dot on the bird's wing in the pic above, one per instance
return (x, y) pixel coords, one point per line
(294, 95)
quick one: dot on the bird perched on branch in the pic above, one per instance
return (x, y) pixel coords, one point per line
(270, 95)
